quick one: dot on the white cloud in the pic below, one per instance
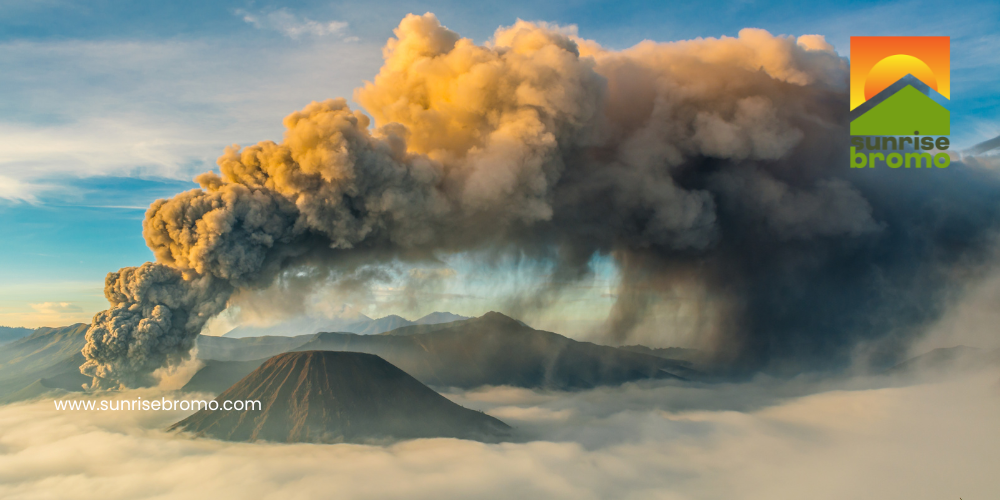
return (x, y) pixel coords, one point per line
(17, 190)
(290, 25)
(56, 308)
(927, 441)
(530, 414)
(167, 108)
(17, 300)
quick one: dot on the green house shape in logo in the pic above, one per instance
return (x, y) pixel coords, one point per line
(905, 112)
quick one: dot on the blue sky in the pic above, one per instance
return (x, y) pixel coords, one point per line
(106, 106)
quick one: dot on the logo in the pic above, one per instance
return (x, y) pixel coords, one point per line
(894, 79)
(899, 87)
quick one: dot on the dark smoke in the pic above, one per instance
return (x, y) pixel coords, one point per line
(718, 164)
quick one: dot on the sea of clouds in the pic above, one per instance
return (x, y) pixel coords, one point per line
(856, 437)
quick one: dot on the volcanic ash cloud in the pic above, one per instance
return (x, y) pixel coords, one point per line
(718, 162)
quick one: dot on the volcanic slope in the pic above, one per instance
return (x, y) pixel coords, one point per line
(47, 360)
(332, 397)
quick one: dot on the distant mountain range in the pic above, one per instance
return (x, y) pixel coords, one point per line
(689, 356)
(360, 324)
(334, 397)
(47, 360)
(490, 350)
(10, 334)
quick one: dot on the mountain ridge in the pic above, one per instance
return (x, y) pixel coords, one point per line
(490, 350)
(907, 112)
(48, 359)
(891, 90)
(12, 333)
(362, 325)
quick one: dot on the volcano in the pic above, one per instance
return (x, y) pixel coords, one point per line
(334, 397)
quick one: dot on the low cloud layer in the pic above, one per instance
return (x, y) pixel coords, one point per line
(755, 441)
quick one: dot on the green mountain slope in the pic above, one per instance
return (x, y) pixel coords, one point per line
(904, 113)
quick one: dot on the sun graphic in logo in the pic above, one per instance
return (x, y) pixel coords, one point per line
(877, 62)
(889, 70)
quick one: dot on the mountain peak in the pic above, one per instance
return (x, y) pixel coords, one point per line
(909, 105)
(496, 318)
(331, 396)
(907, 111)
(438, 317)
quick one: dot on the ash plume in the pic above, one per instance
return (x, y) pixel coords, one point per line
(721, 162)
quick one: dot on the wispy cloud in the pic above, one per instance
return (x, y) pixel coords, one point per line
(290, 25)
(72, 109)
(23, 304)
(18, 190)
(59, 308)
